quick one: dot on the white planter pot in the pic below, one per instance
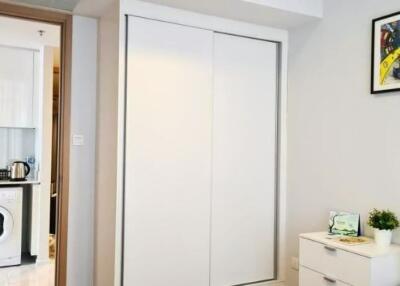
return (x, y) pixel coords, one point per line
(383, 238)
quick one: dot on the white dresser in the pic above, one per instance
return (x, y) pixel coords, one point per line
(324, 262)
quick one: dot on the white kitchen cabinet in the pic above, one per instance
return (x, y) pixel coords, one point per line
(200, 157)
(34, 217)
(326, 262)
(168, 154)
(244, 150)
(18, 87)
(39, 222)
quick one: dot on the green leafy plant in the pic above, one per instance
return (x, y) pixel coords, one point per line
(383, 220)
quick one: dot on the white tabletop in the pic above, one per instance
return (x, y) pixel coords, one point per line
(370, 250)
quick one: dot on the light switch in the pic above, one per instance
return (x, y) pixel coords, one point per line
(78, 140)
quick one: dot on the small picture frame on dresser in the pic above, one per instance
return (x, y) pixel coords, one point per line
(344, 223)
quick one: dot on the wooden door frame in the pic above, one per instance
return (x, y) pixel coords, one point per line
(65, 23)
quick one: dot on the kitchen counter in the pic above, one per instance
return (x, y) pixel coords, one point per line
(11, 183)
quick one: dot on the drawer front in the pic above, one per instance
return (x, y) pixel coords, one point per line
(342, 265)
(311, 278)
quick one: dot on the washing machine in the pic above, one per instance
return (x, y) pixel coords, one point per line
(10, 225)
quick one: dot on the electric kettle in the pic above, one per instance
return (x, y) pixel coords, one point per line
(19, 170)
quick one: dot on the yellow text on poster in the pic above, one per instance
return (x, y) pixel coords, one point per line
(387, 63)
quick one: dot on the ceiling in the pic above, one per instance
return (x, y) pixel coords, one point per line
(25, 33)
(67, 5)
(275, 13)
(257, 12)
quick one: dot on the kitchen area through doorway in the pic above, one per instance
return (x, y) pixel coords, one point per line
(29, 145)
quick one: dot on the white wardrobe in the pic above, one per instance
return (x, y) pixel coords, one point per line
(200, 194)
(19, 87)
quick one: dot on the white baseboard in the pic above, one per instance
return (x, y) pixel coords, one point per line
(42, 261)
(271, 283)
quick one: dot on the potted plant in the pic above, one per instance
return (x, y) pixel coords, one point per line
(383, 222)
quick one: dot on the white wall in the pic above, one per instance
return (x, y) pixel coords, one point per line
(16, 144)
(343, 142)
(307, 7)
(106, 169)
(82, 158)
(273, 13)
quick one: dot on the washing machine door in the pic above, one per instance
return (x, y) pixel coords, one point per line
(6, 224)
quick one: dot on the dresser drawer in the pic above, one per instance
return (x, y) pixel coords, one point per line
(311, 278)
(348, 267)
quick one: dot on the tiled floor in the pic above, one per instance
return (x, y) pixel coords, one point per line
(28, 274)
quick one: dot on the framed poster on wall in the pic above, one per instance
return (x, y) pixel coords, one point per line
(386, 54)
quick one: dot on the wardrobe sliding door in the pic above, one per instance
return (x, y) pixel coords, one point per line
(168, 154)
(244, 161)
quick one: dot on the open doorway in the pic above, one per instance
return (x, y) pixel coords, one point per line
(34, 145)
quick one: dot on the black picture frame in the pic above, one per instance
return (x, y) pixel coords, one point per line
(374, 69)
